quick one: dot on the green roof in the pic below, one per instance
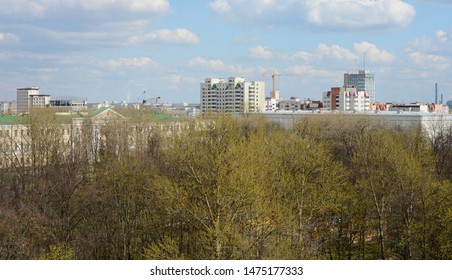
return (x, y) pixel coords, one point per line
(164, 117)
(158, 117)
(10, 119)
(99, 111)
(143, 116)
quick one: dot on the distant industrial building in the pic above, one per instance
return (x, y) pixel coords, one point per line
(420, 107)
(234, 95)
(69, 104)
(295, 104)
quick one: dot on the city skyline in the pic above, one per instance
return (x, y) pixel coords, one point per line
(115, 50)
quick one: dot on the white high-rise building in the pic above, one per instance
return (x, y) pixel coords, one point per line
(232, 96)
(30, 97)
(23, 98)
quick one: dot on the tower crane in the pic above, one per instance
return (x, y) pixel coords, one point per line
(275, 93)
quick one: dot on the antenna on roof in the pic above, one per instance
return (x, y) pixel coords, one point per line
(364, 61)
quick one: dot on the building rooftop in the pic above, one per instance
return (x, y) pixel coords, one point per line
(11, 119)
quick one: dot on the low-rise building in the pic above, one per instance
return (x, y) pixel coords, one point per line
(69, 104)
(295, 104)
(420, 107)
(27, 139)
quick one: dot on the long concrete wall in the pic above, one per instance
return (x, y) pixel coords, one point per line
(430, 122)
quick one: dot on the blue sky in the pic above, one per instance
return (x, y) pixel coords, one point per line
(116, 49)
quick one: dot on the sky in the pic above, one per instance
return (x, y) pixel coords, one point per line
(125, 50)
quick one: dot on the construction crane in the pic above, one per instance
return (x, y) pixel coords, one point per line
(274, 94)
(147, 101)
(150, 101)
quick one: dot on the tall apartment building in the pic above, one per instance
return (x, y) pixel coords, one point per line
(30, 97)
(235, 95)
(363, 81)
(346, 99)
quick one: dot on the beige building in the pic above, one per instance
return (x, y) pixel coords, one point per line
(78, 135)
(234, 95)
(30, 97)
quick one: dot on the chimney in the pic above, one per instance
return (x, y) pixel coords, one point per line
(436, 93)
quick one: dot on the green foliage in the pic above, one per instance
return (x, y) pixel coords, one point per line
(334, 187)
(58, 253)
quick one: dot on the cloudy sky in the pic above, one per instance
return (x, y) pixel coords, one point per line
(116, 49)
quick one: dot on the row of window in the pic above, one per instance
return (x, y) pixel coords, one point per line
(17, 132)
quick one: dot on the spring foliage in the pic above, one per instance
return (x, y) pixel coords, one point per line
(221, 188)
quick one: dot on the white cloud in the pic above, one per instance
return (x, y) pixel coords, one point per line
(221, 6)
(140, 62)
(176, 36)
(444, 36)
(359, 14)
(427, 60)
(211, 64)
(47, 70)
(260, 52)
(340, 15)
(204, 64)
(335, 52)
(31, 8)
(373, 53)
(308, 71)
(175, 81)
(304, 55)
(249, 6)
(423, 43)
(8, 38)
(152, 6)
(39, 8)
(439, 44)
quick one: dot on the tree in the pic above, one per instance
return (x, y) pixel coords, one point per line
(393, 172)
